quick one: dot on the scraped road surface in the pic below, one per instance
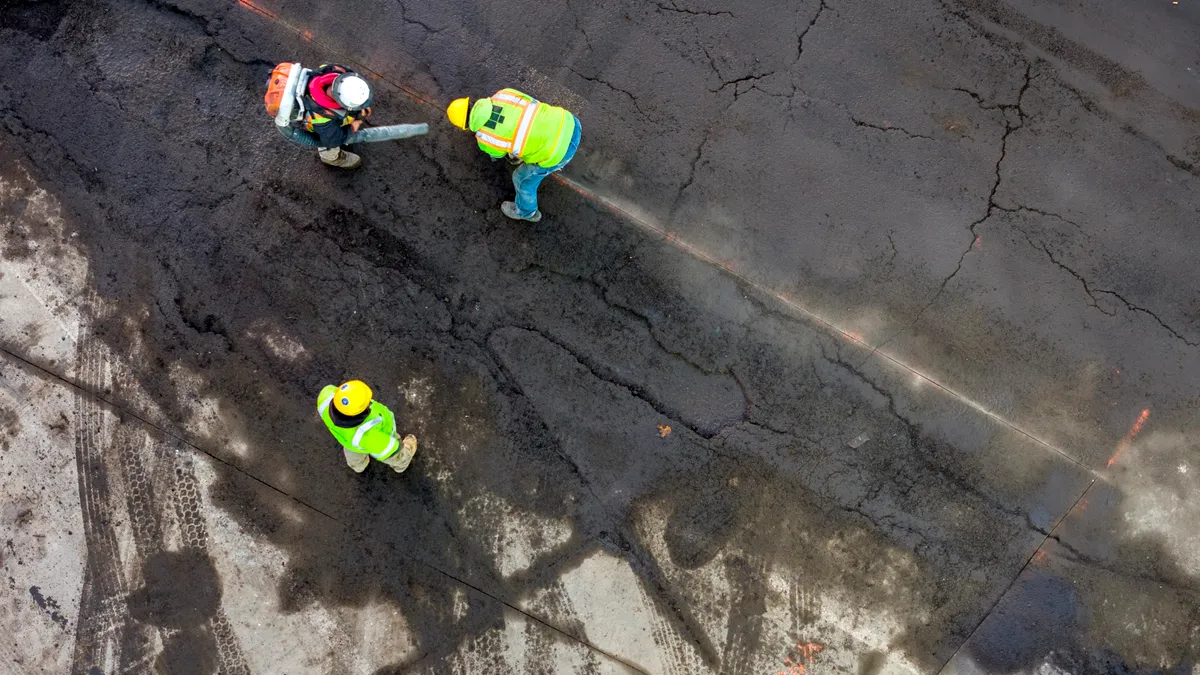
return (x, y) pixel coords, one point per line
(859, 338)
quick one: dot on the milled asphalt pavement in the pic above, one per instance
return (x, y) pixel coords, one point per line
(858, 338)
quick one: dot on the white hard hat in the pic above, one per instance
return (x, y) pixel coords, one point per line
(351, 91)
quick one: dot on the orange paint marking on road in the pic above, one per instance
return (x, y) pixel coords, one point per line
(1039, 557)
(664, 430)
(807, 650)
(1128, 440)
(255, 8)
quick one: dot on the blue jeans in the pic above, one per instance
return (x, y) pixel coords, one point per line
(528, 177)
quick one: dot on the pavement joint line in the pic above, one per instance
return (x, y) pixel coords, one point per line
(1000, 598)
(704, 256)
(71, 383)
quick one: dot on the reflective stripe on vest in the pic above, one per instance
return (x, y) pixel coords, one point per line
(387, 452)
(523, 128)
(494, 141)
(515, 145)
(364, 429)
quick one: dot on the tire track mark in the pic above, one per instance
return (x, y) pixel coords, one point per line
(185, 497)
(103, 601)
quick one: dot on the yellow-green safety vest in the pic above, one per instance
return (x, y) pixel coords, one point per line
(376, 436)
(522, 126)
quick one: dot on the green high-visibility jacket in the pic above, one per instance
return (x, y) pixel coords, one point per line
(526, 128)
(375, 436)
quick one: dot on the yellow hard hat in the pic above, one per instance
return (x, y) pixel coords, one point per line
(457, 112)
(352, 397)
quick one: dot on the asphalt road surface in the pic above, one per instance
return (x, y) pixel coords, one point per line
(865, 335)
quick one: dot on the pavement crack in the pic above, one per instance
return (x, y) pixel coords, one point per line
(603, 374)
(579, 27)
(925, 458)
(1019, 208)
(1092, 293)
(986, 105)
(737, 82)
(632, 97)
(416, 22)
(692, 170)
(693, 12)
(913, 430)
(861, 123)
(712, 63)
(989, 208)
(1083, 558)
(811, 22)
(1183, 165)
(601, 294)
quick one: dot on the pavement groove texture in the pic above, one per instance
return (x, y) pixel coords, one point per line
(793, 230)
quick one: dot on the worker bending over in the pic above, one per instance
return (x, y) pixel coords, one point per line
(364, 427)
(542, 137)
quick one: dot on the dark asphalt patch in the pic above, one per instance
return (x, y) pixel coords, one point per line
(38, 18)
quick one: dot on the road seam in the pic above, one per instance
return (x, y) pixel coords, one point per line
(1000, 598)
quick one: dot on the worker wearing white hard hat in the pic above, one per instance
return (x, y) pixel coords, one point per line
(335, 104)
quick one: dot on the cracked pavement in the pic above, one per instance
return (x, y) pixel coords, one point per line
(912, 285)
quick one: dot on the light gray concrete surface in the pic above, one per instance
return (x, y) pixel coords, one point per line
(107, 510)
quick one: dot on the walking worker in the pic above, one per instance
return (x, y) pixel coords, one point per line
(542, 137)
(364, 427)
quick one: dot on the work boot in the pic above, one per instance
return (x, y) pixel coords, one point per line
(510, 210)
(340, 158)
(408, 448)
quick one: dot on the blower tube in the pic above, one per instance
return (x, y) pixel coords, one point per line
(368, 135)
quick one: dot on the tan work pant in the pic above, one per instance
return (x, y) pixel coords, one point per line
(398, 461)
